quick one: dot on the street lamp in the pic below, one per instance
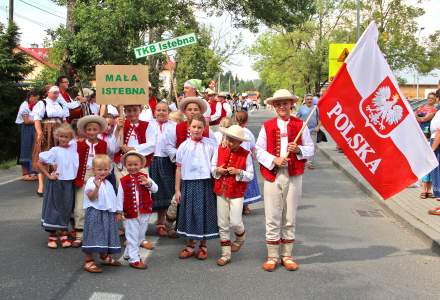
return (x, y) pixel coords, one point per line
(358, 18)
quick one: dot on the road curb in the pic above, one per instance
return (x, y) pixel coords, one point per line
(423, 231)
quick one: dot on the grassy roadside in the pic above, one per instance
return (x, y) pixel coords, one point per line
(8, 164)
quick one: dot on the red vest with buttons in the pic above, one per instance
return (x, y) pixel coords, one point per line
(129, 184)
(213, 106)
(83, 152)
(182, 133)
(295, 167)
(140, 132)
(227, 185)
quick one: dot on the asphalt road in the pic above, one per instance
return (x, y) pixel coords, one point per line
(347, 248)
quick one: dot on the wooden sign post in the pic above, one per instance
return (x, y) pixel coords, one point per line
(122, 84)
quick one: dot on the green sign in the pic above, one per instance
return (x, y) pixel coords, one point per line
(177, 42)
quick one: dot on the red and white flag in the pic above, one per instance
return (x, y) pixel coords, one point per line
(369, 118)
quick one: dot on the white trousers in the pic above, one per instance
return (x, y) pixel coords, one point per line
(229, 217)
(79, 212)
(281, 199)
(135, 230)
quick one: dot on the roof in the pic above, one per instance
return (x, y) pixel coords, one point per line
(39, 54)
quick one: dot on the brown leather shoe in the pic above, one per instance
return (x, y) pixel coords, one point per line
(270, 264)
(202, 253)
(138, 265)
(186, 252)
(235, 247)
(289, 264)
(161, 230)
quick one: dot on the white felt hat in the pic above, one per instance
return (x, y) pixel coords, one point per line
(280, 95)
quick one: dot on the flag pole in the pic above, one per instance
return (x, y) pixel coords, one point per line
(305, 123)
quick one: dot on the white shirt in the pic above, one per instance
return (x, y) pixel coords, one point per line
(70, 105)
(66, 160)
(158, 136)
(153, 188)
(53, 109)
(435, 124)
(146, 115)
(94, 108)
(248, 174)
(248, 145)
(207, 113)
(218, 111)
(218, 137)
(194, 158)
(106, 199)
(266, 159)
(23, 111)
(173, 106)
(112, 144)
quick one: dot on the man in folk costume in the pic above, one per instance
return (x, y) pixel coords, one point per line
(74, 105)
(220, 108)
(192, 88)
(282, 163)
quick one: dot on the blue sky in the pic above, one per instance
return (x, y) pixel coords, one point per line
(34, 23)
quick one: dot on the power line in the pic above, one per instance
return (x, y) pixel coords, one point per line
(56, 11)
(32, 21)
(39, 8)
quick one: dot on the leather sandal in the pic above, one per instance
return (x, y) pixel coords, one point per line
(91, 267)
(76, 243)
(161, 230)
(434, 211)
(147, 245)
(140, 265)
(202, 253)
(236, 246)
(270, 264)
(187, 252)
(52, 242)
(108, 260)
(223, 261)
(289, 264)
(65, 243)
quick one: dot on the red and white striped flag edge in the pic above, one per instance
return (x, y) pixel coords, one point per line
(369, 118)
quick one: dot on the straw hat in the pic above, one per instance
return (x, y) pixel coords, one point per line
(223, 94)
(236, 132)
(200, 102)
(133, 152)
(210, 91)
(280, 95)
(82, 123)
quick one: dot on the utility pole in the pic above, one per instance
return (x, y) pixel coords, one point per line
(11, 11)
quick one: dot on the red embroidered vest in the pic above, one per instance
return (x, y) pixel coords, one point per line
(83, 152)
(129, 184)
(182, 133)
(295, 167)
(213, 111)
(227, 185)
(140, 131)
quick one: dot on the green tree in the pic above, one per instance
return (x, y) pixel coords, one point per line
(13, 69)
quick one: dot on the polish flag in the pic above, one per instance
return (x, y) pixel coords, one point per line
(369, 118)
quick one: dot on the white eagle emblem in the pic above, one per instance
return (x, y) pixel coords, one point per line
(384, 108)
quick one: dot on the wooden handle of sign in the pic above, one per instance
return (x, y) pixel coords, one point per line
(305, 123)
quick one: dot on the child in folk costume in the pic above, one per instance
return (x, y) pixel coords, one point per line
(88, 147)
(162, 170)
(197, 218)
(282, 165)
(232, 169)
(252, 194)
(103, 211)
(48, 114)
(59, 191)
(134, 193)
(134, 134)
(27, 135)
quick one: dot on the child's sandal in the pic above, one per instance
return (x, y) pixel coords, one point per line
(108, 260)
(65, 243)
(147, 245)
(161, 230)
(52, 242)
(91, 267)
(187, 252)
(202, 254)
(76, 243)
